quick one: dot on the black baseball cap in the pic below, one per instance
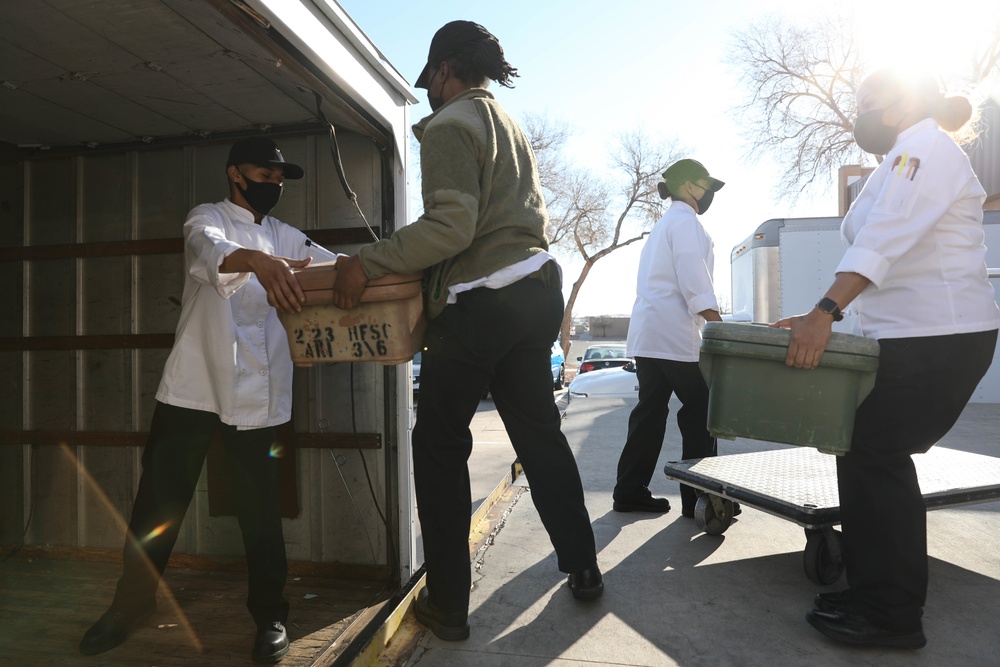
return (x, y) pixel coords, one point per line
(264, 152)
(690, 170)
(448, 41)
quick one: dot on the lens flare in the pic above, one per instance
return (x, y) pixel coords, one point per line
(277, 451)
(156, 532)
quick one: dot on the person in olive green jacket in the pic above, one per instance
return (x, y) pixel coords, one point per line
(493, 295)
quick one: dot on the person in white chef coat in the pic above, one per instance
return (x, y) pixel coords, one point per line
(915, 273)
(674, 298)
(229, 372)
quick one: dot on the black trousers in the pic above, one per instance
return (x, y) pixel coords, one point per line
(921, 388)
(171, 464)
(647, 424)
(501, 339)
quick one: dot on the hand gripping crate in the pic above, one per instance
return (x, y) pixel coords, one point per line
(386, 327)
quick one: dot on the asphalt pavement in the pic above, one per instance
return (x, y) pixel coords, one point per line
(677, 596)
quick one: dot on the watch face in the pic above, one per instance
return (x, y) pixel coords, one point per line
(830, 307)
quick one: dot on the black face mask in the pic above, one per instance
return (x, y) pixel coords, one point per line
(705, 201)
(262, 197)
(872, 135)
(436, 102)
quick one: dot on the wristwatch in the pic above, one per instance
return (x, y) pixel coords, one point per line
(830, 307)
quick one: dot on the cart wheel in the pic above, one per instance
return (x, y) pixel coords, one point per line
(713, 514)
(822, 557)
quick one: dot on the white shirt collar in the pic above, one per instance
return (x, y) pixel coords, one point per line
(238, 212)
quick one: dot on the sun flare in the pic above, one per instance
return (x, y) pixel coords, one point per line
(954, 45)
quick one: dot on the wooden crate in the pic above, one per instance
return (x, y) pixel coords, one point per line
(387, 327)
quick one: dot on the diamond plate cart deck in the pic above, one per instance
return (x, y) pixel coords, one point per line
(800, 484)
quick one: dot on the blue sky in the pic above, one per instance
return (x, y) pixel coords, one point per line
(607, 68)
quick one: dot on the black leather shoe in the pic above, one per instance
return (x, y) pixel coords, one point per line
(112, 629)
(835, 601)
(642, 501)
(449, 626)
(587, 584)
(852, 628)
(271, 643)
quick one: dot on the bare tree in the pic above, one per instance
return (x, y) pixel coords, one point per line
(801, 79)
(593, 216)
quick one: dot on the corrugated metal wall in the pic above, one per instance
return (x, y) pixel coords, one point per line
(985, 152)
(142, 195)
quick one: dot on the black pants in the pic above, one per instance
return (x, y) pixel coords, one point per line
(658, 379)
(501, 339)
(921, 388)
(171, 464)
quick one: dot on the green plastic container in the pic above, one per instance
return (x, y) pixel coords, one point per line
(753, 394)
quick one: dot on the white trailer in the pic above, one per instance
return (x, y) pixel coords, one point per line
(787, 264)
(115, 120)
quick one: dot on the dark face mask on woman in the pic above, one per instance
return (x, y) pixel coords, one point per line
(262, 197)
(705, 201)
(872, 134)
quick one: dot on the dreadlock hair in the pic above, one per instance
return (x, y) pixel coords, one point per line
(481, 60)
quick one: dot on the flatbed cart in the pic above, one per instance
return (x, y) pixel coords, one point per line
(800, 484)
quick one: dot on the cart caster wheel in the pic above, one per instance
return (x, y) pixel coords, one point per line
(822, 557)
(713, 514)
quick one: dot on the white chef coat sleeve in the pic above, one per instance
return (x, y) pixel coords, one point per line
(690, 247)
(921, 186)
(206, 246)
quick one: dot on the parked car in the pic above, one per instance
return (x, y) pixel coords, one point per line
(416, 373)
(558, 367)
(558, 370)
(607, 383)
(606, 355)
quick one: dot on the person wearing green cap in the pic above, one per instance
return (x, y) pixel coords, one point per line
(675, 296)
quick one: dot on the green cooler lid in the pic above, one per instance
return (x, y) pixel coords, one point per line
(761, 334)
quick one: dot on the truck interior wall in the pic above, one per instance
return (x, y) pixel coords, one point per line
(84, 493)
(12, 507)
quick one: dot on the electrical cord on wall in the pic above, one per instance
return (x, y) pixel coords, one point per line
(338, 461)
(339, 165)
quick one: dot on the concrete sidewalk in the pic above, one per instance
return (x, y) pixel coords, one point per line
(676, 596)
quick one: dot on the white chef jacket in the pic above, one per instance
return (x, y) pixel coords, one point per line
(673, 286)
(916, 232)
(230, 354)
